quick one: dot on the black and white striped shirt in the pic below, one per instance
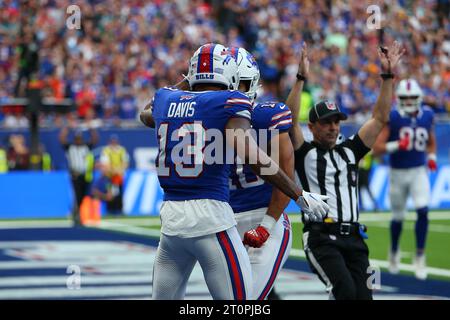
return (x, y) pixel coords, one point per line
(333, 172)
(77, 157)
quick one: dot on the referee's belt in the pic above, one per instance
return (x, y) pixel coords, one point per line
(341, 228)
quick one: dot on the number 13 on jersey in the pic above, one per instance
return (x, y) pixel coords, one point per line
(181, 148)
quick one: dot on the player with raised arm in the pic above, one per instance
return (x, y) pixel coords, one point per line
(197, 223)
(411, 144)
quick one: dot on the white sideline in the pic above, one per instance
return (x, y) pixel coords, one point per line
(385, 264)
(386, 216)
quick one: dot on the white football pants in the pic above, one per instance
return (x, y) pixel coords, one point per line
(222, 257)
(267, 261)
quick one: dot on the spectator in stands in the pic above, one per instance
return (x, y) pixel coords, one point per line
(28, 51)
(18, 154)
(135, 43)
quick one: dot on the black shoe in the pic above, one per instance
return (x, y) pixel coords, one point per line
(273, 295)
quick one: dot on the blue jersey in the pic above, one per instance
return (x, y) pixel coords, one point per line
(247, 190)
(101, 183)
(418, 129)
(182, 119)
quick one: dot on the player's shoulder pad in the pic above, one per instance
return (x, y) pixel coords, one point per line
(273, 108)
(237, 98)
(237, 94)
(272, 115)
(428, 109)
(394, 114)
(165, 90)
(171, 88)
(274, 105)
(395, 110)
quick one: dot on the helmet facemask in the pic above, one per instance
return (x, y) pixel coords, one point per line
(409, 104)
(409, 96)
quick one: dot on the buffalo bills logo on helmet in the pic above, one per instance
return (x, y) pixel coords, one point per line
(227, 59)
(330, 105)
(252, 60)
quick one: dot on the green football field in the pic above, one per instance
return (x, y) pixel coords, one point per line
(438, 240)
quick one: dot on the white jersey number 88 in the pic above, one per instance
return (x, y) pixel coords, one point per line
(418, 138)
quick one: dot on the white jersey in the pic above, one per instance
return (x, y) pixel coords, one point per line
(195, 218)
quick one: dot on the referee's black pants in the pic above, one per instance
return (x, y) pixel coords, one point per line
(81, 189)
(340, 261)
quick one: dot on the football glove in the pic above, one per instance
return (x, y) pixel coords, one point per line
(313, 206)
(257, 237)
(403, 143)
(432, 165)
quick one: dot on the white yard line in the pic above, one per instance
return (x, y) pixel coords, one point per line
(108, 225)
(35, 224)
(144, 221)
(385, 264)
(379, 217)
(431, 227)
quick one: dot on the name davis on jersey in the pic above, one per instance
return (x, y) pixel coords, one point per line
(181, 109)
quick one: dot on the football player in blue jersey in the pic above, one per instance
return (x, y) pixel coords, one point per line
(411, 144)
(258, 207)
(197, 223)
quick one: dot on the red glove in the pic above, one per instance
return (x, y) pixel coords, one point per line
(256, 237)
(403, 143)
(432, 165)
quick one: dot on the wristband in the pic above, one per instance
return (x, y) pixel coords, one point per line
(268, 222)
(432, 156)
(391, 146)
(387, 76)
(300, 77)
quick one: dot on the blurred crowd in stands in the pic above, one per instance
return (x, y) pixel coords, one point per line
(125, 49)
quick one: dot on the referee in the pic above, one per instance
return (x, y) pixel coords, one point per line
(335, 247)
(80, 161)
